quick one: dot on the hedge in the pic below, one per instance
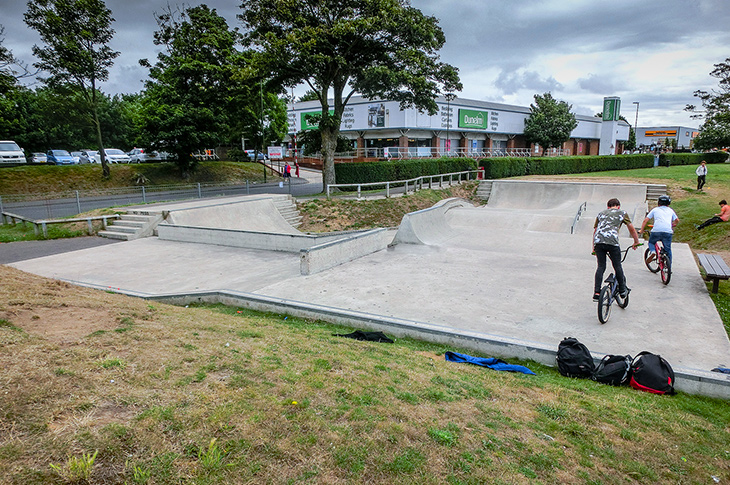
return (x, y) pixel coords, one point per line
(502, 167)
(670, 159)
(386, 171)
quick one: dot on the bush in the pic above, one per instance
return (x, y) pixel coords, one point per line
(671, 159)
(387, 171)
(502, 167)
(237, 155)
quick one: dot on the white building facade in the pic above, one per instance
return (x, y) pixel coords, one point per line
(461, 126)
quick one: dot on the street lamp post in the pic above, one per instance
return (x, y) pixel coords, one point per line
(449, 97)
(636, 123)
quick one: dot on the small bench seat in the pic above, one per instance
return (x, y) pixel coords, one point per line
(716, 269)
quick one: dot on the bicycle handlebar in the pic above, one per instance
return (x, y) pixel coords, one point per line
(626, 251)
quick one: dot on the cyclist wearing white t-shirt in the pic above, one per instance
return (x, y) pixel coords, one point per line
(664, 221)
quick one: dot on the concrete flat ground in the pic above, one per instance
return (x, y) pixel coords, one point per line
(490, 274)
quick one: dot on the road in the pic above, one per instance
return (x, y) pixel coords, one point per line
(309, 183)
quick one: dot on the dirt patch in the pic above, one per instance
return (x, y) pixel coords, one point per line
(103, 415)
(62, 325)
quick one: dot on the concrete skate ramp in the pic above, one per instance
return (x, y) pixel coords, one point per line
(258, 215)
(428, 226)
(549, 206)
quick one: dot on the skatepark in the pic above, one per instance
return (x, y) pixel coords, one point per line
(509, 279)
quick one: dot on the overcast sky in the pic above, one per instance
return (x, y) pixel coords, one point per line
(654, 52)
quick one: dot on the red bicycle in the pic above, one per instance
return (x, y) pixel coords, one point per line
(658, 262)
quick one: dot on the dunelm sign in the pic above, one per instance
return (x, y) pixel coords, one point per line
(469, 118)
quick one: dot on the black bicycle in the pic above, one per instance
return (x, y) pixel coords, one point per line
(610, 292)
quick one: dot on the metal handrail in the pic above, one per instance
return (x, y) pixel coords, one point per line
(583, 207)
(417, 181)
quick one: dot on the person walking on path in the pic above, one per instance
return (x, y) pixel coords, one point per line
(722, 216)
(605, 243)
(701, 175)
(296, 168)
(664, 221)
(287, 170)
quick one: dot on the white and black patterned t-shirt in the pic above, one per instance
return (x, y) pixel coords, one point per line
(607, 224)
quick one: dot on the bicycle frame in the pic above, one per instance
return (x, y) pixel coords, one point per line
(609, 292)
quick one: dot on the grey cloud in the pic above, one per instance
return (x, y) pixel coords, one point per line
(511, 81)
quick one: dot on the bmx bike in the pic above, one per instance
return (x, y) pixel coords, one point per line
(658, 262)
(610, 292)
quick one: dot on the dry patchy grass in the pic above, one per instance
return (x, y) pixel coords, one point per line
(213, 395)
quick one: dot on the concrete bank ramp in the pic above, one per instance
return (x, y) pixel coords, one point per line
(259, 215)
(429, 226)
(551, 206)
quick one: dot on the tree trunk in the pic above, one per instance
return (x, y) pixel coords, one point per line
(329, 145)
(106, 173)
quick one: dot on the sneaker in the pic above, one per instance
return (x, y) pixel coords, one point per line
(596, 295)
(652, 257)
(625, 293)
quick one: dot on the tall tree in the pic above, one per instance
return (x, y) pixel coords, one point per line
(715, 131)
(550, 122)
(76, 34)
(379, 48)
(197, 85)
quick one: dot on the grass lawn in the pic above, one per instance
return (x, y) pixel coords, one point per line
(102, 388)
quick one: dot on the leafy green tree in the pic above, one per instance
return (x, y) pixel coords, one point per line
(550, 122)
(379, 48)
(76, 34)
(715, 131)
(202, 90)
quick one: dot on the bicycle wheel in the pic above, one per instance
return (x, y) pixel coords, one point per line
(666, 267)
(622, 302)
(604, 304)
(653, 265)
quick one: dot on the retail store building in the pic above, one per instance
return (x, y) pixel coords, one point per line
(380, 128)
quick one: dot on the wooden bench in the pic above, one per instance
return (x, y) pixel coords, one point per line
(715, 268)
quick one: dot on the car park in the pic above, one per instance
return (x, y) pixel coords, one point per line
(38, 157)
(59, 157)
(115, 155)
(11, 154)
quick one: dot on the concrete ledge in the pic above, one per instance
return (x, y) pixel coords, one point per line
(271, 241)
(690, 381)
(330, 254)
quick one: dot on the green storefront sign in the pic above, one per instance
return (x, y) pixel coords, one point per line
(469, 118)
(308, 123)
(611, 109)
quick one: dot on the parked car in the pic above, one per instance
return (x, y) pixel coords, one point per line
(77, 157)
(115, 155)
(11, 154)
(252, 153)
(89, 156)
(59, 157)
(38, 157)
(141, 155)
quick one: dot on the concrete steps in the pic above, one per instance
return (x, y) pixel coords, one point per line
(132, 225)
(287, 207)
(484, 190)
(653, 191)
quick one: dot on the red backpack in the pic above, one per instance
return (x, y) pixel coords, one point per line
(651, 373)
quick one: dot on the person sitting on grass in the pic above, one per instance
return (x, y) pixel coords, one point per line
(722, 216)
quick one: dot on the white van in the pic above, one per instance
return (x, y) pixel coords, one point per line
(11, 153)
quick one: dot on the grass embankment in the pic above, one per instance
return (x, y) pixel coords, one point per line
(41, 179)
(161, 394)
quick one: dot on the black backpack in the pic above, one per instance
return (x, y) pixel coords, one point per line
(651, 373)
(574, 359)
(613, 369)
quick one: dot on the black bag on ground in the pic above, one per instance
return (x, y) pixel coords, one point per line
(651, 373)
(613, 369)
(574, 359)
